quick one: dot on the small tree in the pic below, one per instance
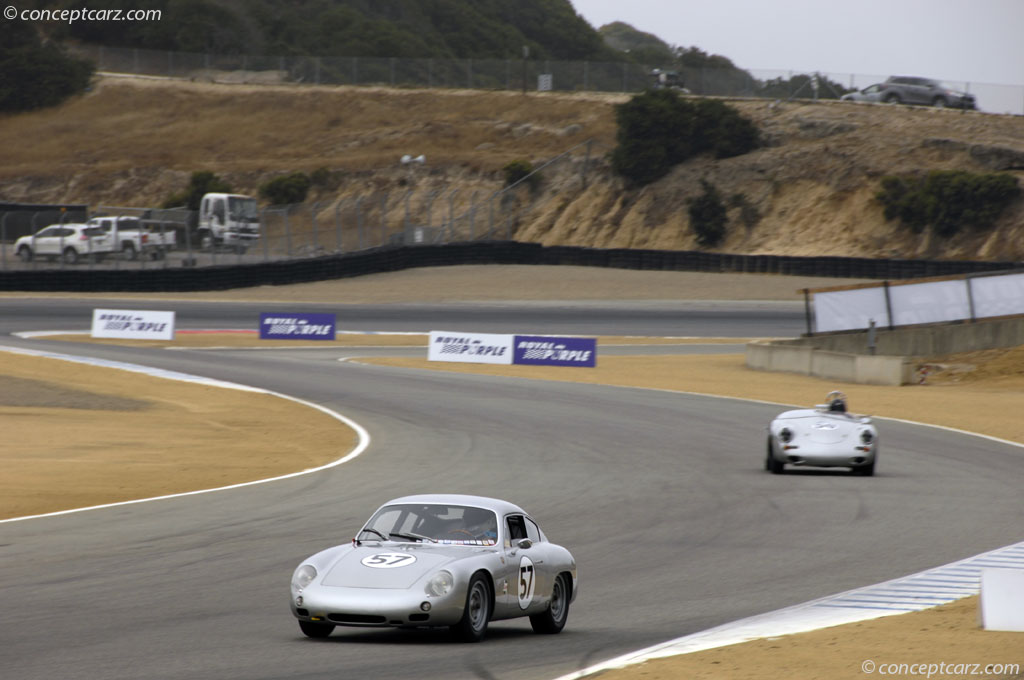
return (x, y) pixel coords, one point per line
(519, 170)
(287, 189)
(708, 216)
(33, 75)
(200, 183)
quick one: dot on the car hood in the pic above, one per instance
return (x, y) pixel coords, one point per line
(387, 565)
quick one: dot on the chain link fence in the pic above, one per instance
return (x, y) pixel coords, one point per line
(508, 74)
(416, 216)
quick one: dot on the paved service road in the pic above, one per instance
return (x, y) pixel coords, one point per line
(660, 496)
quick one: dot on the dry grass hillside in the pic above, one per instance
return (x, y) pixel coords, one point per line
(809, 191)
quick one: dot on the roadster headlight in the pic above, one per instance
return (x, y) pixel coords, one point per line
(785, 434)
(440, 584)
(303, 576)
(866, 436)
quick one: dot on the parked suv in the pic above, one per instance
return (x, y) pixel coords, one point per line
(70, 242)
(914, 90)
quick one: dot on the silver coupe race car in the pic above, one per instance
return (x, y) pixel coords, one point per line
(438, 560)
(824, 436)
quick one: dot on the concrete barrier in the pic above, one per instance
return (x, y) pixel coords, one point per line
(852, 368)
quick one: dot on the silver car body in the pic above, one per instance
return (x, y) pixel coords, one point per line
(393, 573)
(821, 437)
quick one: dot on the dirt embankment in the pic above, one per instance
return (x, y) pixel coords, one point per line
(808, 191)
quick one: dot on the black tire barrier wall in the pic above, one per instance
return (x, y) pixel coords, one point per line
(483, 252)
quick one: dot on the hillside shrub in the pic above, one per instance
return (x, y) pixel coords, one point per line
(658, 130)
(947, 200)
(519, 170)
(33, 75)
(201, 182)
(286, 189)
(708, 216)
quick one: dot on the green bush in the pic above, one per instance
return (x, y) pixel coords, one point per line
(708, 216)
(199, 183)
(519, 170)
(286, 189)
(34, 76)
(947, 200)
(658, 130)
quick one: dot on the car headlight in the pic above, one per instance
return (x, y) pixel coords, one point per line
(303, 576)
(866, 436)
(785, 434)
(440, 584)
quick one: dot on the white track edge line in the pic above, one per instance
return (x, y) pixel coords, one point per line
(363, 436)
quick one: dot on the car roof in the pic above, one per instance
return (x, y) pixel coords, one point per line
(497, 505)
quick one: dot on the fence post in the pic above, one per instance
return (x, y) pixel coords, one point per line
(359, 220)
(451, 214)
(337, 226)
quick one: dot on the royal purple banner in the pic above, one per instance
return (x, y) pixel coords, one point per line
(297, 327)
(545, 350)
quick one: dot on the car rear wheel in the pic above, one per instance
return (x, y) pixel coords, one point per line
(473, 625)
(70, 256)
(553, 619)
(939, 102)
(316, 630)
(25, 253)
(128, 251)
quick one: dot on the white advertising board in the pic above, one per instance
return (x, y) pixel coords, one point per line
(132, 324)
(931, 302)
(998, 295)
(476, 348)
(844, 310)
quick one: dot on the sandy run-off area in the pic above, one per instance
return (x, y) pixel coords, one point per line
(79, 435)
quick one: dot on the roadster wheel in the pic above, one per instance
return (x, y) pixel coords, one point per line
(316, 630)
(865, 470)
(477, 613)
(553, 620)
(770, 464)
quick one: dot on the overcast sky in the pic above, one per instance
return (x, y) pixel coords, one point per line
(978, 41)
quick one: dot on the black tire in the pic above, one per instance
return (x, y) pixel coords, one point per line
(553, 619)
(865, 470)
(770, 464)
(477, 613)
(25, 253)
(940, 103)
(128, 251)
(892, 98)
(70, 256)
(314, 629)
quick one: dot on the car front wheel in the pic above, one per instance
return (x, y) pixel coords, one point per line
(25, 253)
(473, 625)
(553, 619)
(770, 464)
(316, 630)
(892, 98)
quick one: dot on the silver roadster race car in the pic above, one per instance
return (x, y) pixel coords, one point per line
(824, 436)
(438, 560)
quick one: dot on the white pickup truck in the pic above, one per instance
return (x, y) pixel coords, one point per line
(130, 237)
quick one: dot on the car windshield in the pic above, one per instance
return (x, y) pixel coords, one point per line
(439, 523)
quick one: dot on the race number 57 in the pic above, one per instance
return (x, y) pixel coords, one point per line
(527, 582)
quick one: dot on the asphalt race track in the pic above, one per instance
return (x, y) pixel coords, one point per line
(661, 497)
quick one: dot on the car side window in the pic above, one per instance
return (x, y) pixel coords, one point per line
(532, 530)
(516, 529)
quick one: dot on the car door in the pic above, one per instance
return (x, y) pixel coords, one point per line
(48, 241)
(527, 574)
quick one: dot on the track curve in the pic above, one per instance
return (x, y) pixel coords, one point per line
(659, 495)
